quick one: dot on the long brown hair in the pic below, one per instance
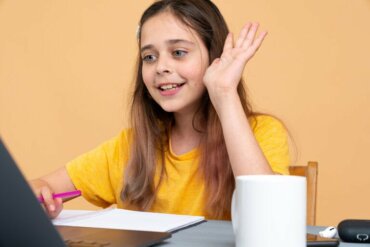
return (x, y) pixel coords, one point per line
(151, 124)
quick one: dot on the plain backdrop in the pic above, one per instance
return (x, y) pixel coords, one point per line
(66, 72)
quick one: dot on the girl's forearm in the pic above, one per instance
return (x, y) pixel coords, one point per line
(245, 155)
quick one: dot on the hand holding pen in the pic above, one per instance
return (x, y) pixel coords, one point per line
(68, 194)
(52, 202)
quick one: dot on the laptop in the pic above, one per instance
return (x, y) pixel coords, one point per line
(23, 221)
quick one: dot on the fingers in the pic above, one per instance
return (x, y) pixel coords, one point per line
(258, 41)
(251, 43)
(250, 35)
(246, 39)
(246, 45)
(48, 198)
(52, 206)
(58, 202)
(247, 36)
(243, 35)
(228, 46)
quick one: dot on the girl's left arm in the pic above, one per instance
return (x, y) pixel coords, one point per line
(221, 80)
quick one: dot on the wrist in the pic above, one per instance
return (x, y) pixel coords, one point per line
(37, 184)
(227, 105)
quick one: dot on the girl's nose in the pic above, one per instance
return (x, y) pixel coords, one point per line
(163, 67)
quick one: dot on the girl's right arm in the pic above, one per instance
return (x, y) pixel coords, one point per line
(221, 79)
(55, 182)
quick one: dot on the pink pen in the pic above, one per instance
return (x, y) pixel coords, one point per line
(68, 194)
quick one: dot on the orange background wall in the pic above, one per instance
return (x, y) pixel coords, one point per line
(66, 69)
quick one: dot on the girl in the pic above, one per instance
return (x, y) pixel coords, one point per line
(192, 129)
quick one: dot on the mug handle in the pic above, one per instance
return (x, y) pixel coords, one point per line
(234, 217)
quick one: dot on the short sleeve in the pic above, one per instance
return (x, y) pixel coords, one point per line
(98, 173)
(272, 138)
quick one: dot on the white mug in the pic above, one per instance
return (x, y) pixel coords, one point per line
(269, 211)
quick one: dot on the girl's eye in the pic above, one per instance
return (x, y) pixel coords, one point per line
(149, 58)
(179, 53)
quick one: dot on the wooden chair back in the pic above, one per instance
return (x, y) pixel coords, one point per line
(310, 172)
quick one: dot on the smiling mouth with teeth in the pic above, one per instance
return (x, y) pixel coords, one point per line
(170, 86)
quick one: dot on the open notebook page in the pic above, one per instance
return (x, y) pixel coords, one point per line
(113, 218)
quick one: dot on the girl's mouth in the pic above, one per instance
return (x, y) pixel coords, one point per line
(172, 86)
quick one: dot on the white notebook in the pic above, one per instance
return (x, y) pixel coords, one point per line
(113, 218)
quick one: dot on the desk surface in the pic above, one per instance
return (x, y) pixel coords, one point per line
(219, 234)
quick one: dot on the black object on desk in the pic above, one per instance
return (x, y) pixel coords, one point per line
(354, 231)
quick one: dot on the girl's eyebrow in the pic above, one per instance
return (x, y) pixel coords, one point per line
(170, 42)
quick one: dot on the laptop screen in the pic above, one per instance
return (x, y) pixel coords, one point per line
(22, 219)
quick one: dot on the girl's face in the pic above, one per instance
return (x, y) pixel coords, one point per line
(174, 62)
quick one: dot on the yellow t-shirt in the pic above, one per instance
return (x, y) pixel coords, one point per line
(99, 173)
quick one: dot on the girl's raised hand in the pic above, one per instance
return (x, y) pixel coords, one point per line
(223, 75)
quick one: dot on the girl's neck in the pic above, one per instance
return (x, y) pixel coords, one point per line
(184, 137)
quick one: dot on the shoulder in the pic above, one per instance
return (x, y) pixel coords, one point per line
(266, 123)
(122, 139)
(272, 138)
(110, 156)
(109, 152)
(269, 131)
(118, 146)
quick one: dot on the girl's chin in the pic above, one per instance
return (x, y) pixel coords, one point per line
(170, 108)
